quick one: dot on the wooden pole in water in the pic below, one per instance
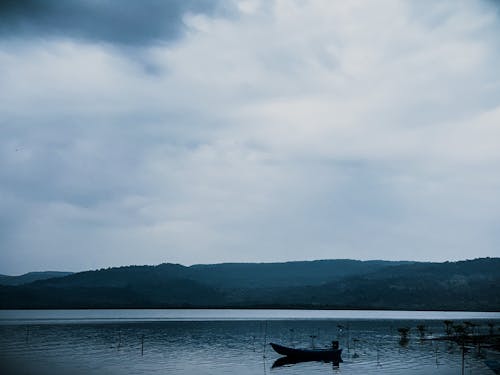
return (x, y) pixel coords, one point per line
(378, 354)
(142, 345)
(265, 339)
(463, 356)
(348, 339)
(312, 340)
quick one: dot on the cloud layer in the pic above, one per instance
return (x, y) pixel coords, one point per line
(124, 23)
(268, 131)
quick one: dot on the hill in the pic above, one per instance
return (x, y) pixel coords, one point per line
(30, 277)
(465, 285)
(288, 274)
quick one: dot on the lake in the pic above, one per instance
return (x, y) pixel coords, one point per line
(232, 341)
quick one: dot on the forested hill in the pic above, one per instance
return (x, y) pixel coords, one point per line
(267, 275)
(465, 285)
(30, 277)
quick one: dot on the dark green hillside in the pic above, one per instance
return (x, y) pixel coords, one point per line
(134, 294)
(121, 287)
(119, 276)
(447, 271)
(228, 275)
(271, 275)
(408, 293)
(465, 285)
(30, 277)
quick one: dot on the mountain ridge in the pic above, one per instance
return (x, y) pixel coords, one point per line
(463, 285)
(31, 276)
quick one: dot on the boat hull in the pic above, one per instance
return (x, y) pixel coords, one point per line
(308, 354)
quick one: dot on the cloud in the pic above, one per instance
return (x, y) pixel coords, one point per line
(290, 130)
(124, 23)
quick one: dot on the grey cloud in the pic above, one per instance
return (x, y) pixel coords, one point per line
(122, 22)
(280, 145)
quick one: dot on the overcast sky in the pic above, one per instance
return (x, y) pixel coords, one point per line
(141, 132)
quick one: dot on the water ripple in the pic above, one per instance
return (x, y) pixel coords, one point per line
(228, 347)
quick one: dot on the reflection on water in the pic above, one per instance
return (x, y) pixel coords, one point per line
(228, 347)
(287, 361)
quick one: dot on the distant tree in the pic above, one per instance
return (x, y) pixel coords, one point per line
(403, 332)
(448, 327)
(421, 330)
(491, 327)
(460, 330)
(469, 327)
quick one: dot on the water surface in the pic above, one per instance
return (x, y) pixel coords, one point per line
(231, 341)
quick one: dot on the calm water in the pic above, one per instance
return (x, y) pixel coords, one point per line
(229, 342)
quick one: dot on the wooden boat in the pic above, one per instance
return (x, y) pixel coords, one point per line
(331, 354)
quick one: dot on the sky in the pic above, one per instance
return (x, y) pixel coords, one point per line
(184, 131)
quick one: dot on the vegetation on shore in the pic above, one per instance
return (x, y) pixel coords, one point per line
(328, 284)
